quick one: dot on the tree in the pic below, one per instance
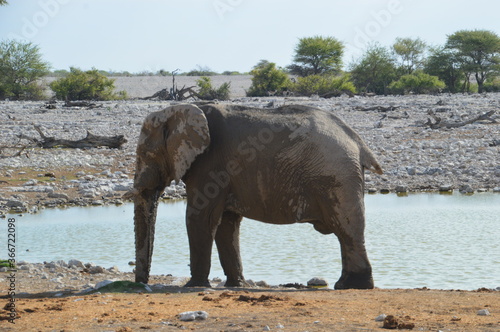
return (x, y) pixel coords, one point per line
(410, 53)
(444, 63)
(21, 67)
(317, 55)
(478, 51)
(374, 71)
(267, 79)
(85, 85)
(3, 2)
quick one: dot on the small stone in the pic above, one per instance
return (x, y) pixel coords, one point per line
(317, 282)
(97, 269)
(380, 318)
(266, 328)
(32, 182)
(411, 170)
(401, 189)
(189, 316)
(446, 188)
(75, 263)
(280, 326)
(58, 195)
(262, 284)
(466, 189)
(114, 269)
(50, 265)
(483, 312)
(103, 283)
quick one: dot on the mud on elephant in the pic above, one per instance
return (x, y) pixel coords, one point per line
(281, 166)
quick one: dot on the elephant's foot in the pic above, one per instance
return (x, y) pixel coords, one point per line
(238, 282)
(198, 283)
(355, 280)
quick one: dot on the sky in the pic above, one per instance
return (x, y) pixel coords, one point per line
(225, 35)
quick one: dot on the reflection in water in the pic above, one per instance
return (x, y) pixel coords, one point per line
(428, 240)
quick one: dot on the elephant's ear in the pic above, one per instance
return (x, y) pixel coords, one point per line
(186, 136)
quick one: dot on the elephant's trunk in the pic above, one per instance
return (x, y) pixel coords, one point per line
(145, 208)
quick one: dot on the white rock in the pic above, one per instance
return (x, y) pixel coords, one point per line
(317, 282)
(483, 312)
(75, 263)
(193, 315)
(103, 283)
(380, 318)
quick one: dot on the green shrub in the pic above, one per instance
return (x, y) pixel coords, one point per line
(324, 85)
(207, 92)
(492, 85)
(418, 83)
(85, 85)
(201, 71)
(267, 79)
(21, 68)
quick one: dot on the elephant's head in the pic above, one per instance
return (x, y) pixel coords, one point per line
(169, 142)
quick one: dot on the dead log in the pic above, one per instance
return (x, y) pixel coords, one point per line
(90, 141)
(174, 94)
(439, 123)
(87, 104)
(377, 108)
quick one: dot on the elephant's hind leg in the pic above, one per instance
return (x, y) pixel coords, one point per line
(227, 240)
(349, 218)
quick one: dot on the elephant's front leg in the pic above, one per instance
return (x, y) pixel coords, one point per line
(227, 239)
(201, 228)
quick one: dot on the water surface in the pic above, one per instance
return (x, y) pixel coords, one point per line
(431, 240)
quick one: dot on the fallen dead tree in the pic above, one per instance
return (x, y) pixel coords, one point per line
(17, 154)
(440, 123)
(80, 103)
(376, 108)
(174, 94)
(90, 141)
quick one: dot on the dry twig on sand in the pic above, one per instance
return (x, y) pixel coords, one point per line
(439, 123)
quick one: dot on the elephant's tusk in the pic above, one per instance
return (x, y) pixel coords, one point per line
(131, 194)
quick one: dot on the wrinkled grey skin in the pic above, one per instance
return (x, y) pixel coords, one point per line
(281, 166)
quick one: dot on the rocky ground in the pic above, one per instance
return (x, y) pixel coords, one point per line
(414, 157)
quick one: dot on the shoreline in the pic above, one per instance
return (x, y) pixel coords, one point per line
(74, 277)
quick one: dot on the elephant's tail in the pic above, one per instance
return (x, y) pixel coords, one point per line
(369, 161)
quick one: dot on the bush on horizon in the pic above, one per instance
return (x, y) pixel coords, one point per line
(208, 92)
(86, 85)
(267, 79)
(323, 85)
(418, 83)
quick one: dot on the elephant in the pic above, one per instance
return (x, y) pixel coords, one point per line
(291, 164)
